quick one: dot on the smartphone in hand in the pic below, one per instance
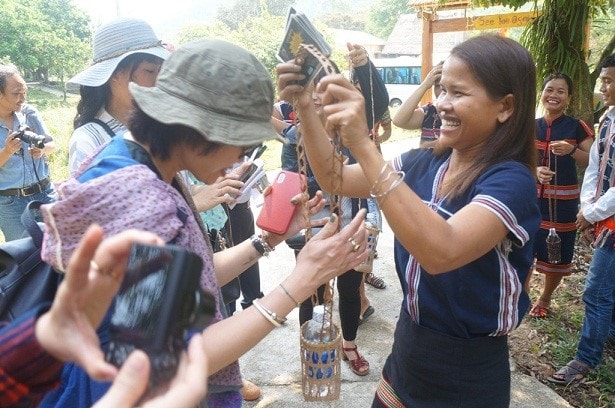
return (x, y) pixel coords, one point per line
(159, 300)
(277, 211)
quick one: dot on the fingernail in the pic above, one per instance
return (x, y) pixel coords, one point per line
(332, 218)
(293, 201)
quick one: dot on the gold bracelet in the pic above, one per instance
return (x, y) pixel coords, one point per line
(290, 296)
(268, 314)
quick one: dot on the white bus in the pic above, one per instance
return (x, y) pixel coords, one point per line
(401, 76)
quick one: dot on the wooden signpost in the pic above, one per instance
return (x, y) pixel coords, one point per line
(433, 23)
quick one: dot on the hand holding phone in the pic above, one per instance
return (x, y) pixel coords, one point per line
(160, 299)
(277, 211)
(251, 178)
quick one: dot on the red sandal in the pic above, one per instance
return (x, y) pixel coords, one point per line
(359, 366)
(539, 311)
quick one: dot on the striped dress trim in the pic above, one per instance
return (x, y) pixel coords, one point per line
(386, 395)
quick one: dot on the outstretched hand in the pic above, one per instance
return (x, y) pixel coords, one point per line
(330, 253)
(94, 274)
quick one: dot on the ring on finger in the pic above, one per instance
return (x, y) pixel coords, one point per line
(355, 244)
(98, 269)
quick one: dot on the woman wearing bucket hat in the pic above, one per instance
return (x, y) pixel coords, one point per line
(125, 50)
(211, 103)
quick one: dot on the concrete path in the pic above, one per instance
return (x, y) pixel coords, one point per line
(275, 363)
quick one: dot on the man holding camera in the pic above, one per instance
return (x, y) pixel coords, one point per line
(24, 145)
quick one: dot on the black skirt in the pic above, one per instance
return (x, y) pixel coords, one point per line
(430, 369)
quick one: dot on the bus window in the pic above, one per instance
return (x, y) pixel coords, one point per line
(401, 76)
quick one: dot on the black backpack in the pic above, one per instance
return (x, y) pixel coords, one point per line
(25, 280)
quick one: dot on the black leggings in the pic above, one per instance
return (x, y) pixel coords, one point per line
(350, 303)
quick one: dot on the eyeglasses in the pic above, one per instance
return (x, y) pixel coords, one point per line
(248, 151)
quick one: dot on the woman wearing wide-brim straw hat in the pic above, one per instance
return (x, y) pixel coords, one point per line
(124, 50)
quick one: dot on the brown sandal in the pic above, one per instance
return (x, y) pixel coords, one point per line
(575, 370)
(359, 366)
(375, 281)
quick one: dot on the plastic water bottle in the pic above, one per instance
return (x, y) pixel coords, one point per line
(317, 331)
(554, 247)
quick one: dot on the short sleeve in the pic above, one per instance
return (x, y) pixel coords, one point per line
(35, 121)
(583, 131)
(509, 191)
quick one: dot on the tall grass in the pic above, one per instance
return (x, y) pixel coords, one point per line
(58, 117)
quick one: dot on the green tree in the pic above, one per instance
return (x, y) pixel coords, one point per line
(264, 46)
(68, 49)
(557, 41)
(243, 10)
(21, 34)
(44, 37)
(383, 16)
(344, 21)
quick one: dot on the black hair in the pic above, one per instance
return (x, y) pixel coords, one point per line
(93, 98)
(161, 138)
(503, 67)
(6, 72)
(608, 62)
(558, 75)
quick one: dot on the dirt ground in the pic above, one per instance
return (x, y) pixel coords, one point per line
(529, 343)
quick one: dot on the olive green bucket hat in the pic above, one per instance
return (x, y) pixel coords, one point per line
(215, 87)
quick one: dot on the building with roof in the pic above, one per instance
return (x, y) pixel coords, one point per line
(372, 44)
(407, 39)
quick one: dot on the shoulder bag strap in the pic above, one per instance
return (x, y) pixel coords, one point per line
(104, 126)
(28, 221)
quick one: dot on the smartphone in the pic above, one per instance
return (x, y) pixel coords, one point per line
(250, 178)
(245, 176)
(277, 210)
(159, 301)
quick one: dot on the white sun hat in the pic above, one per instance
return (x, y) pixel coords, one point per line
(114, 41)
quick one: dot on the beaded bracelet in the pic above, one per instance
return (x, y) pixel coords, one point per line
(261, 246)
(268, 314)
(574, 149)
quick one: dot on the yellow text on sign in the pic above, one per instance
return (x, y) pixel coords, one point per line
(503, 20)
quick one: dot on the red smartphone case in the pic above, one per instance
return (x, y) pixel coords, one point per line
(277, 211)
